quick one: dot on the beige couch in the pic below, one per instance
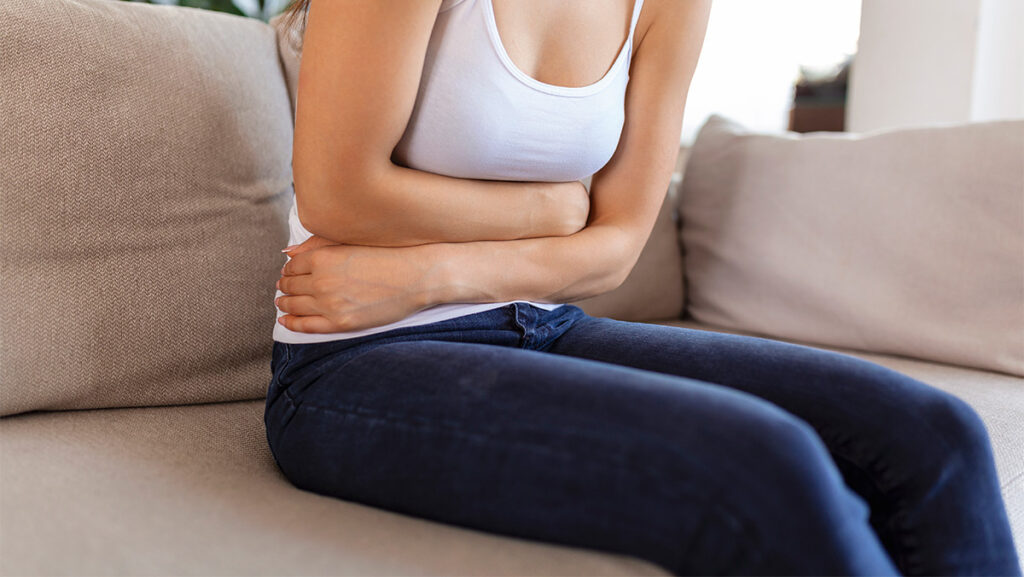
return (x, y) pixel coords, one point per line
(144, 187)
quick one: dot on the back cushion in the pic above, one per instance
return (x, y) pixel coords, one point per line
(906, 241)
(654, 289)
(145, 181)
(289, 46)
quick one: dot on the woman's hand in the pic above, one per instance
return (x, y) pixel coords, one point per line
(333, 287)
(576, 207)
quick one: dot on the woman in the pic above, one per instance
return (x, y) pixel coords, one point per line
(422, 362)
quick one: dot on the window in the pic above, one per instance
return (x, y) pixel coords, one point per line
(752, 56)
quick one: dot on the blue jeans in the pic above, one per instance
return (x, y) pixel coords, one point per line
(702, 452)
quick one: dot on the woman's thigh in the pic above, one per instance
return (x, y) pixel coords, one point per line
(693, 476)
(919, 456)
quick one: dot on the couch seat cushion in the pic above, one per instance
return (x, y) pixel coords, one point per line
(997, 397)
(194, 490)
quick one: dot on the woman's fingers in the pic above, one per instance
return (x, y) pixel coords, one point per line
(308, 244)
(298, 264)
(313, 324)
(296, 285)
(298, 305)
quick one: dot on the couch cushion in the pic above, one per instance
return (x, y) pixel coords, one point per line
(146, 154)
(289, 48)
(997, 397)
(194, 490)
(905, 241)
(654, 288)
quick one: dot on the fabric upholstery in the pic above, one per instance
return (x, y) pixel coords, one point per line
(653, 290)
(194, 490)
(289, 47)
(146, 172)
(905, 241)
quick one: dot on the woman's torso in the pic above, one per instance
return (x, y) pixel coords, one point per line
(478, 114)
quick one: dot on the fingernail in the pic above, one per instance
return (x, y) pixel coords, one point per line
(277, 284)
(277, 301)
(289, 247)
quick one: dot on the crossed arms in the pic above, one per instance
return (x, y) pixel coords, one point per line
(492, 240)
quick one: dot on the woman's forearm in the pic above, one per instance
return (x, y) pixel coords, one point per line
(399, 206)
(592, 261)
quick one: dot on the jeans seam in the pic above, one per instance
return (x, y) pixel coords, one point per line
(287, 356)
(660, 475)
(283, 367)
(295, 409)
(436, 424)
(524, 332)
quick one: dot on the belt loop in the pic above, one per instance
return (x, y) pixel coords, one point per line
(526, 321)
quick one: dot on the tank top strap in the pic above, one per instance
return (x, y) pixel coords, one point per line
(637, 6)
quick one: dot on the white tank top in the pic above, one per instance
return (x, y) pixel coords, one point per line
(477, 115)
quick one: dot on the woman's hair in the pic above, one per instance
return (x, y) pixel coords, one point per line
(294, 9)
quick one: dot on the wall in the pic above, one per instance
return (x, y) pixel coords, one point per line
(752, 55)
(936, 61)
(999, 68)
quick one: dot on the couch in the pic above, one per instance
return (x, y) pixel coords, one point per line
(144, 187)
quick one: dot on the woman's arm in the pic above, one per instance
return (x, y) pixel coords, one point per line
(625, 195)
(340, 288)
(361, 69)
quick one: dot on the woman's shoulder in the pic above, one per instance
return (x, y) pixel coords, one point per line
(648, 15)
(673, 17)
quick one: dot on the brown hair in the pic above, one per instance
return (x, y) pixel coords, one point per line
(294, 9)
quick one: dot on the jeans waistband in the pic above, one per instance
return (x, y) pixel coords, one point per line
(518, 324)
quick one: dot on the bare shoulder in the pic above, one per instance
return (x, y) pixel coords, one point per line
(666, 19)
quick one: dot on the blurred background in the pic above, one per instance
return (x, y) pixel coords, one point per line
(837, 65)
(262, 9)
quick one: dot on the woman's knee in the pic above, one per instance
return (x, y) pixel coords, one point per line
(953, 427)
(744, 448)
(886, 412)
(793, 503)
(794, 463)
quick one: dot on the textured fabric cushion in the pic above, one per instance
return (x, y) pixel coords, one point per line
(194, 490)
(289, 47)
(654, 289)
(146, 154)
(905, 241)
